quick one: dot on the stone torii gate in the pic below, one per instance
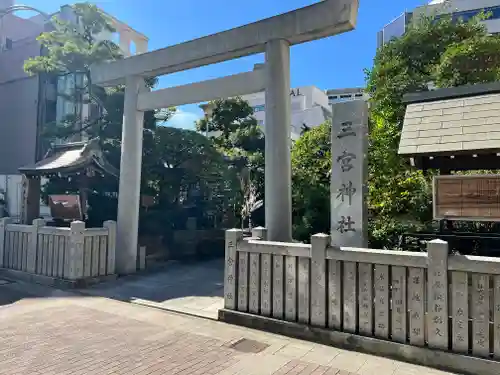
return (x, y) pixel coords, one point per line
(273, 36)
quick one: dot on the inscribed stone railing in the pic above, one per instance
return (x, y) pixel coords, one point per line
(433, 300)
(67, 253)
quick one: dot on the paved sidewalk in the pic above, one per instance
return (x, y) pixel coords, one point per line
(97, 336)
(190, 288)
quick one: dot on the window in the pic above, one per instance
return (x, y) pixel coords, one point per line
(259, 108)
(466, 15)
(394, 29)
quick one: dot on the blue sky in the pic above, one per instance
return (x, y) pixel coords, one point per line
(334, 62)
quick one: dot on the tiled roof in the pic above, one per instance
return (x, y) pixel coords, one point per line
(458, 125)
(70, 158)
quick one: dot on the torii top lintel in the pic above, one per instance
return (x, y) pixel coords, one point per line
(319, 20)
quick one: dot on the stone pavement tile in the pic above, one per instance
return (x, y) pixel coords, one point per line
(97, 336)
(291, 368)
(409, 369)
(274, 347)
(257, 364)
(348, 361)
(378, 365)
(294, 350)
(321, 355)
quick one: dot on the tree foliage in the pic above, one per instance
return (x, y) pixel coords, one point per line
(179, 166)
(236, 133)
(73, 47)
(189, 177)
(311, 166)
(445, 52)
(440, 51)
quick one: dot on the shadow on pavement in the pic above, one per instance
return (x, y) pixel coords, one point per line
(14, 291)
(196, 288)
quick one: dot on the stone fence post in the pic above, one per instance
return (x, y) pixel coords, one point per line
(111, 257)
(75, 250)
(3, 228)
(437, 294)
(260, 233)
(319, 244)
(230, 276)
(266, 262)
(32, 256)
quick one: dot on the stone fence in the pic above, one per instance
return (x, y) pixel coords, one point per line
(74, 253)
(421, 307)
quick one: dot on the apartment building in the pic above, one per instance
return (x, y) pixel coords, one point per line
(309, 107)
(346, 94)
(29, 102)
(458, 9)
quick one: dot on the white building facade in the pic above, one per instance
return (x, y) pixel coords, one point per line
(309, 108)
(459, 9)
(346, 94)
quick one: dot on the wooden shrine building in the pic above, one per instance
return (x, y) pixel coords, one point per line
(453, 129)
(458, 129)
(79, 160)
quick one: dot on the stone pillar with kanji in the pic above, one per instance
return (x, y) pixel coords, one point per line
(31, 199)
(349, 174)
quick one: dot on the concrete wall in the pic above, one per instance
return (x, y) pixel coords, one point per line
(311, 117)
(17, 28)
(18, 124)
(18, 108)
(12, 61)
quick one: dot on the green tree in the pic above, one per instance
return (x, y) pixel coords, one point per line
(311, 167)
(180, 168)
(188, 176)
(443, 51)
(69, 51)
(435, 51)
(238, 136)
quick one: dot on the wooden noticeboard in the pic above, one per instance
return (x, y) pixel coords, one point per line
(469, 198)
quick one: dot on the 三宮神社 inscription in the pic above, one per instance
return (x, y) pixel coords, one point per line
(349, 171)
